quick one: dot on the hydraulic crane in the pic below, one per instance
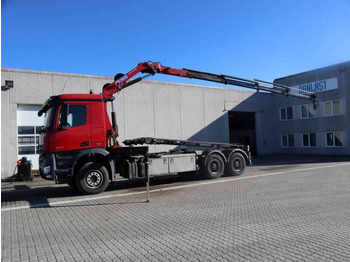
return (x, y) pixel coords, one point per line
(122, 81)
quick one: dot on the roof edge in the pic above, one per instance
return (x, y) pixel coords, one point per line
(108, 77)
(51, 73)
(313, 70)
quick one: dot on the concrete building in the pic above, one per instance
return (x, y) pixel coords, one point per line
(324, 130)
(271, 124)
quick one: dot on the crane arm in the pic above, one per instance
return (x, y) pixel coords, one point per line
(122, 81)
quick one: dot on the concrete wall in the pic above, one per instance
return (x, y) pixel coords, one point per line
(178, 111)
(156, 109)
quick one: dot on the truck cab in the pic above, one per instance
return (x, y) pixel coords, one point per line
(74, 125)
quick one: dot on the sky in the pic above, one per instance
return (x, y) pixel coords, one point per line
(264, 39)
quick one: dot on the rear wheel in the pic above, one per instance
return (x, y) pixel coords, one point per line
(236, 165)
(92, 178)
(213, 167)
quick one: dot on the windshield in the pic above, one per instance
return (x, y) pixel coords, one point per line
(49, 119)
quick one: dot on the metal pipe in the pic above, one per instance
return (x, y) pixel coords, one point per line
(147, 177)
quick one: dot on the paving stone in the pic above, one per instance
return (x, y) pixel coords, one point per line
(295, 216)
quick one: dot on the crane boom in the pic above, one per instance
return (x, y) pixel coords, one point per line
(122, 81)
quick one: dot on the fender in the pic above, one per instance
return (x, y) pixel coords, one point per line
(96, 151)
(245, 155)
(90, 151)
(209, 152)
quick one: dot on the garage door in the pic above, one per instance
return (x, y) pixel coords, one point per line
(29, 125)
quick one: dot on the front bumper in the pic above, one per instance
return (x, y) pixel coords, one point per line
(49, 171)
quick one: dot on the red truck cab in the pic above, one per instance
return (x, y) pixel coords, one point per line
(74, 125)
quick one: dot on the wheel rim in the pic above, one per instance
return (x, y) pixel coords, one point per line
(237, 164)
(94, 179)
(215, 167)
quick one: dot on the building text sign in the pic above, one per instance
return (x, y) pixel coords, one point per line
(315, 87)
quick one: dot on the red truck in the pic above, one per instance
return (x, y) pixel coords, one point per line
(80, 147)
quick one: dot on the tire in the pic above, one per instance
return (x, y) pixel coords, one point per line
(92, 178)
(213, 166)
(236, 165)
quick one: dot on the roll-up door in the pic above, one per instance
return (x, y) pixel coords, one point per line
(28, 127)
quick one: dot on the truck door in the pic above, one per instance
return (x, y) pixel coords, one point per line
(76, 134)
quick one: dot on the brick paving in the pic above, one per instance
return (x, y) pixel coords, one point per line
(293, 216)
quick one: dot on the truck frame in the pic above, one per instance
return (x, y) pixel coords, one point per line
(80, 147)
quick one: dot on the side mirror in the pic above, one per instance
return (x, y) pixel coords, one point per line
(63, 120)
(42, 130)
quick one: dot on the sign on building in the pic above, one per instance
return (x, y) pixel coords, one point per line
(317, 86)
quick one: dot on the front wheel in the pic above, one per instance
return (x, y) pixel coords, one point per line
(92, 178)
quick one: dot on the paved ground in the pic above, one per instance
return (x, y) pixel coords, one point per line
(281, 209)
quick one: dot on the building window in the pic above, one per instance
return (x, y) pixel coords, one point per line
(309, 140)
(28, 140)
(334, 139)
(307, 111)
(25, 130)
(286, 113)
(287, 140)
(332, 108)
(26, 150)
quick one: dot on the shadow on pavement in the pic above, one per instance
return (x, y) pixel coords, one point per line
(36, 197)
(39, 192)
(39, 197)
(42, 201)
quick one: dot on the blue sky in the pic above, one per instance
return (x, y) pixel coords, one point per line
(251, 39)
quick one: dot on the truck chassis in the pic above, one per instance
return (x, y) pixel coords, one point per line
(212, 162)
(91, 173)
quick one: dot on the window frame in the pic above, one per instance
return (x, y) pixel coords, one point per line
(288, 140)
(69, 113)
(285, 113)
(308, 140)
(334, 144)
(308, 110)
(301, 111)
(332, 107)
(35, 135)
